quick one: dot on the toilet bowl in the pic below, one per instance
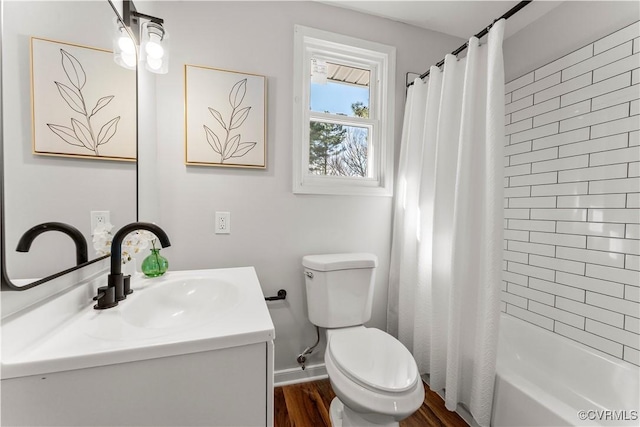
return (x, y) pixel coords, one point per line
(374, 377)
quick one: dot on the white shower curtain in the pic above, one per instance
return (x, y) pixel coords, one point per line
(446, 260)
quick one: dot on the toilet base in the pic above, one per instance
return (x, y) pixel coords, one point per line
(335, 412)
(342, 416)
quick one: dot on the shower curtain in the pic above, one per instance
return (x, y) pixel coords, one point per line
(446, 259)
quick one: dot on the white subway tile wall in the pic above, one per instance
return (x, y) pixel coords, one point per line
(572, 196)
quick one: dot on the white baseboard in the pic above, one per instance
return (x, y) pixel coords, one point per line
(297, 375)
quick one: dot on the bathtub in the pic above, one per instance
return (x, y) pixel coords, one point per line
(544, 379)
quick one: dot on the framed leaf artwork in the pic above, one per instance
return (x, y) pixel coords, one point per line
(224, 118)
(83, 103)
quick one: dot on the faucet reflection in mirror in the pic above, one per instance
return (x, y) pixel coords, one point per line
(118, 285)
(150, 35)
(81, 244)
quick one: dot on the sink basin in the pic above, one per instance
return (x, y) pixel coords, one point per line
(180, 302)
(181, 312)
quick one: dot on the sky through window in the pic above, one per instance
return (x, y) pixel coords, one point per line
(337, 97)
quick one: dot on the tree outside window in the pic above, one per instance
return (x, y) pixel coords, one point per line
(339, 150)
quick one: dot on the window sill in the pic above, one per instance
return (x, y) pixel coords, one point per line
(331, 188)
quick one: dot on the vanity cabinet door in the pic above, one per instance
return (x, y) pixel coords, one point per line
(226, 387)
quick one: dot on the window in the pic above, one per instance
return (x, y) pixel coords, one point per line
(343, 114)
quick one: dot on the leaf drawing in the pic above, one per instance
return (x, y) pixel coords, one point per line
(102, 102)
(73, 69)
(216, 115)
(72, 99)
(81, 134)
(66, 134)
(243, 149)
(239, 117)
(213, 140)
(108, 130)
(232, 145)
(238, 91)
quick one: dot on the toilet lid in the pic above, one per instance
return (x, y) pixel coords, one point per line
(374, 359)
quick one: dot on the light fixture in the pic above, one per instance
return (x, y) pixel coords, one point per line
(124, 48)
(149, 34)
(154, 47)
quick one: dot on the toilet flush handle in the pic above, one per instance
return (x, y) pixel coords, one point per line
(309, 274)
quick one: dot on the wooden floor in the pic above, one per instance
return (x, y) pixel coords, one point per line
(307, 405)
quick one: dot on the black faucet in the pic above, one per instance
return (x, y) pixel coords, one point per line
(81, 244)
(118, 286)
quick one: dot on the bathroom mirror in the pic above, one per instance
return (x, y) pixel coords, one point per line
(43, 184)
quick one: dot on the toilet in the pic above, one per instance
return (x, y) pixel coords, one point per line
(374, 376)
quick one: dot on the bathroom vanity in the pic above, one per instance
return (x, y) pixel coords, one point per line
(188, 348)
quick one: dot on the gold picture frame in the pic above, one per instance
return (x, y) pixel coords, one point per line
(83, 104)
(225, 118)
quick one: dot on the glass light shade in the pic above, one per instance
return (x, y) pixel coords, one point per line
(129, 60)
(125, 44)
(154, 64)
(124, 48)
(155, 48)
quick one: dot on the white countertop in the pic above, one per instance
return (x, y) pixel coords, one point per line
(90, 338)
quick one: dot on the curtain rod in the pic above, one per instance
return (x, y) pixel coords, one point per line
(481, 34)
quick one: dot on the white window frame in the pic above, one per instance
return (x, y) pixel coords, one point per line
(381, 61)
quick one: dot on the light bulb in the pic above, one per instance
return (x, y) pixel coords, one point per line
(125, 43)
(154, 48)
(129, 59)
(154, 63)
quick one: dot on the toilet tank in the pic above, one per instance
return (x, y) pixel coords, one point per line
(339, 288)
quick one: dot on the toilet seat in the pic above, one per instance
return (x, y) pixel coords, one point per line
(373, 359)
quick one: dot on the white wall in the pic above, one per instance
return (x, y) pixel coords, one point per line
(271, 228)
(572, 235)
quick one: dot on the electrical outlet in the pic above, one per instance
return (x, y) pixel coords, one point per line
(97, 218)
(223, 223)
